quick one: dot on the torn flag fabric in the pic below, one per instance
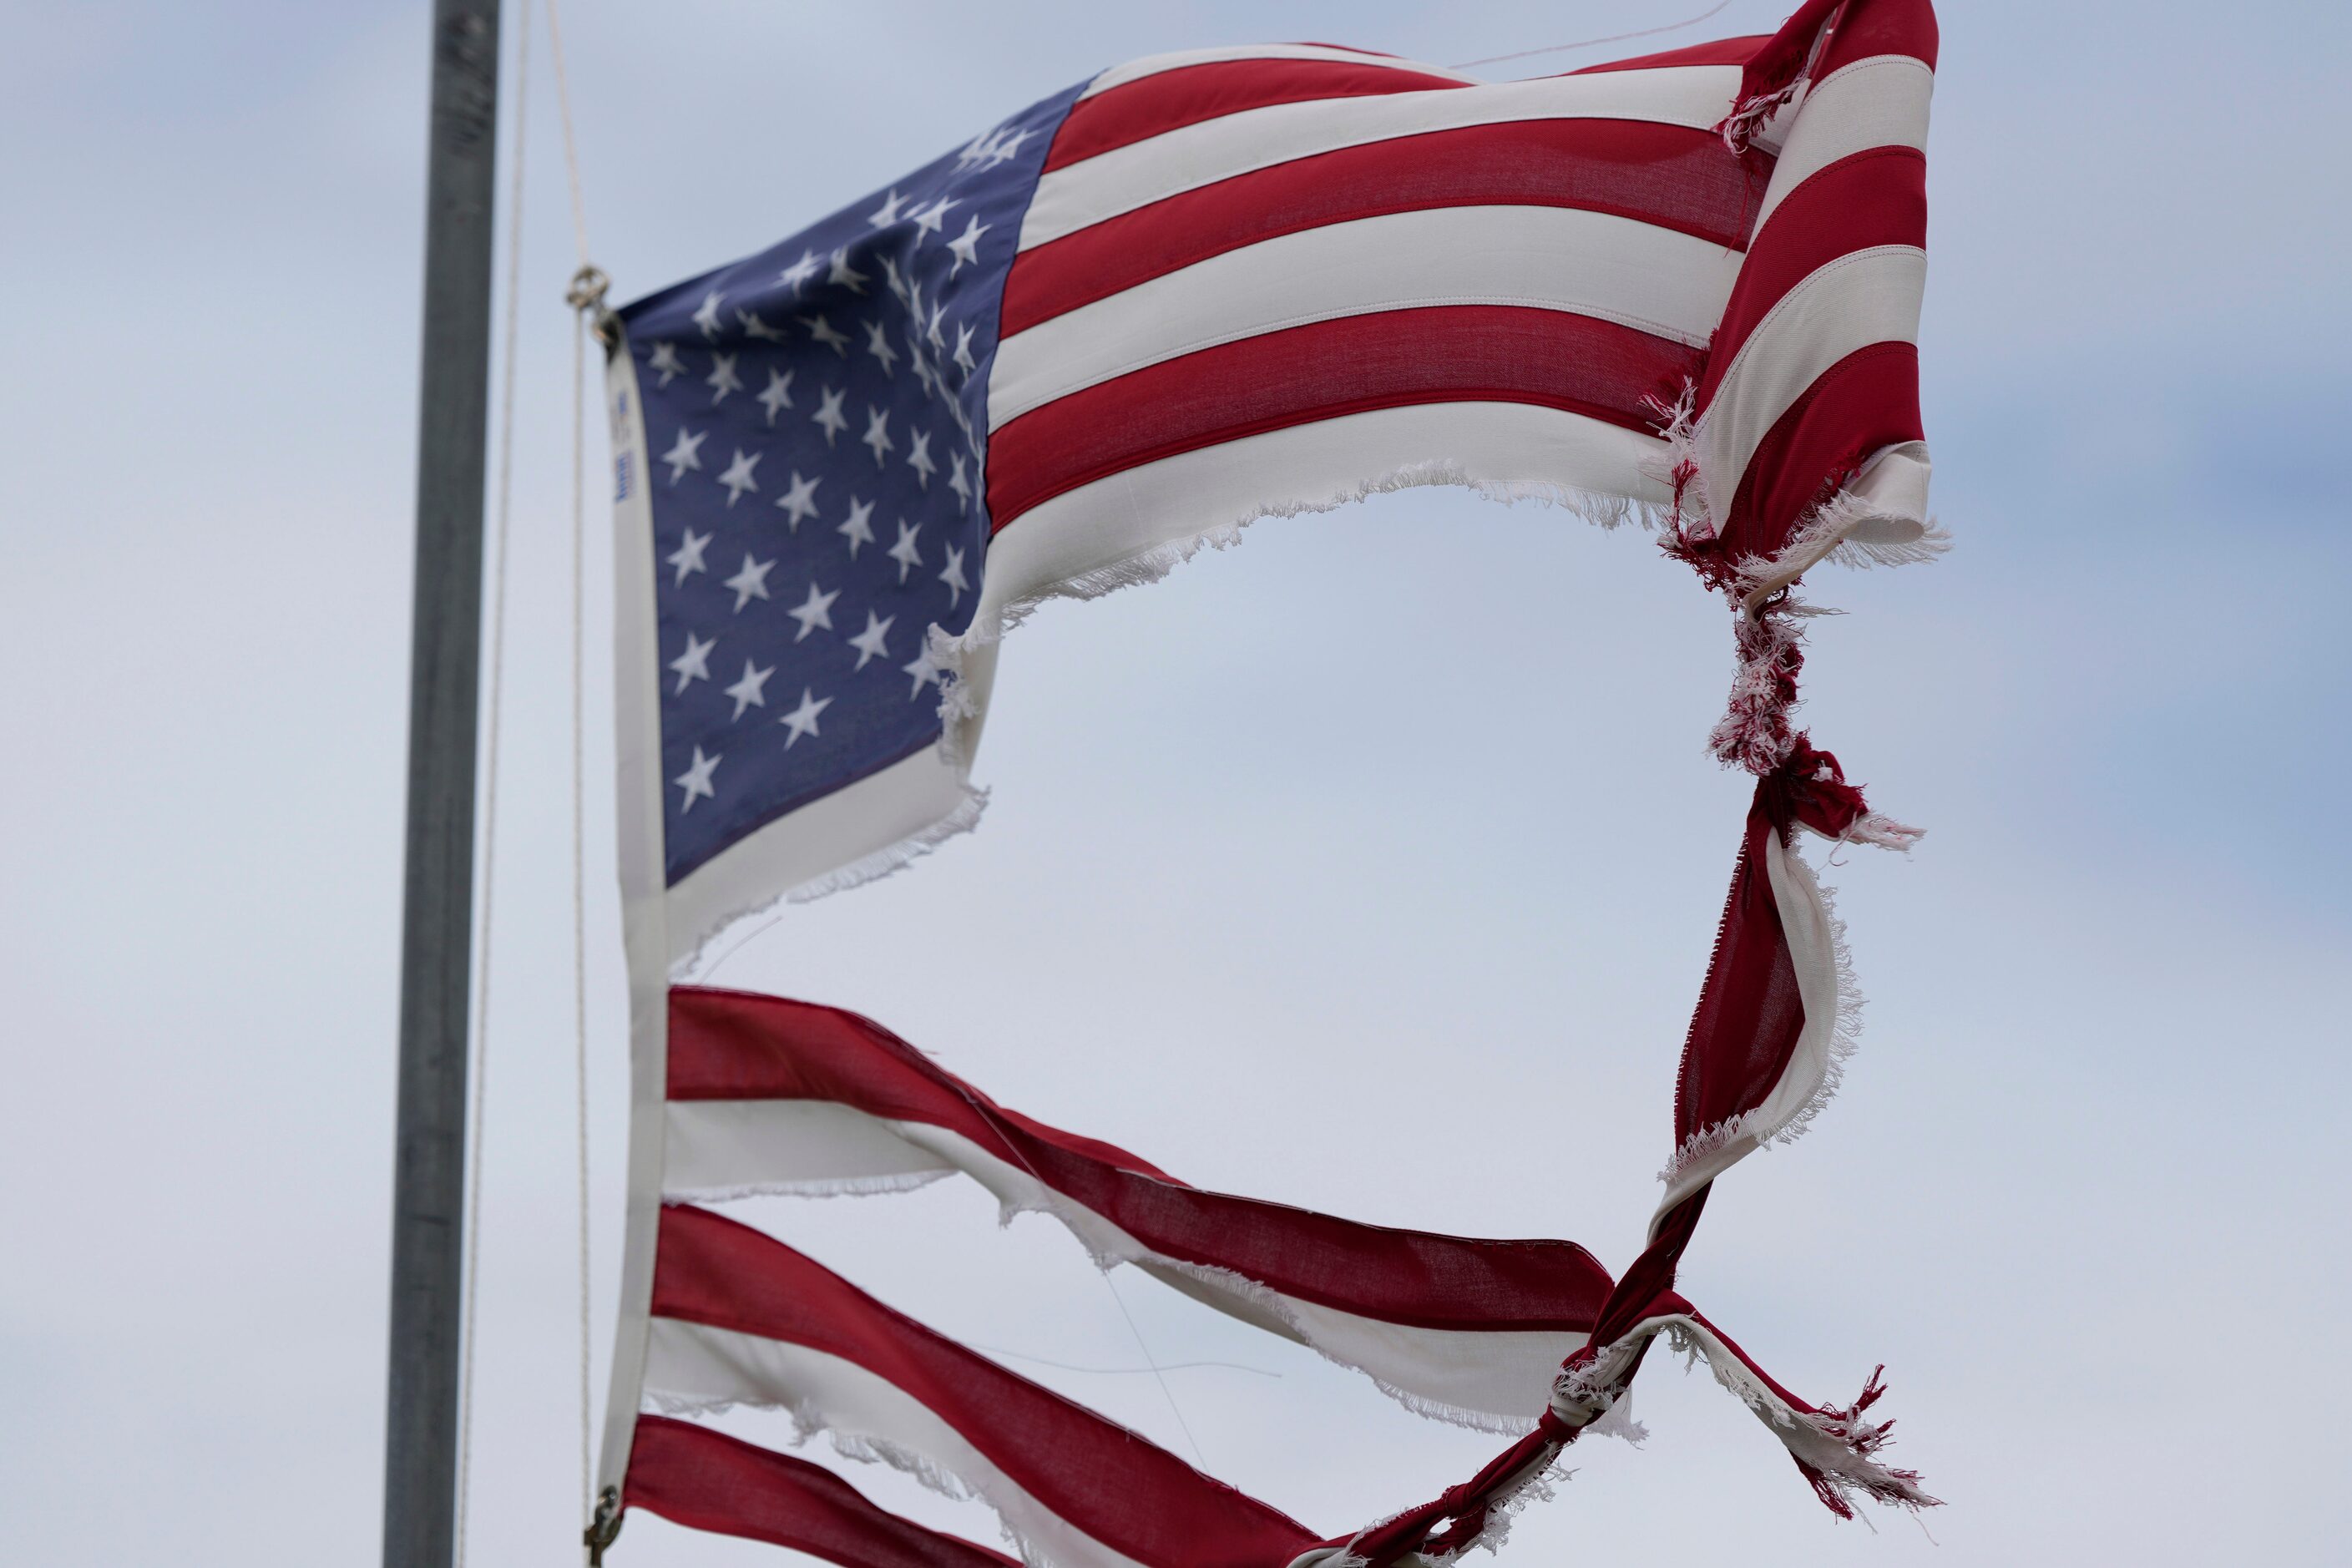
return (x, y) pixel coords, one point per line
(1681, 291)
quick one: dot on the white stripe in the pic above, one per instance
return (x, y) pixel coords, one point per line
(1862, 298)
(1878, 102)
(1152, 65)
(1893, 488)
(733, 1148)
(1125, 178)
(1096, 537)
(693, 1365)
(1657, 281)
(1812, 959)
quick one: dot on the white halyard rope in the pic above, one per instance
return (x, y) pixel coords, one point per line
(478, 1079)
(586, 295)
(570, 143)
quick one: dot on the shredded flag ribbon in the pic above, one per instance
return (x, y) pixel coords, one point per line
(1199, 289)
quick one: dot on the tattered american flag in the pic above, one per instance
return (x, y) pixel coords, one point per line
(1196, 291)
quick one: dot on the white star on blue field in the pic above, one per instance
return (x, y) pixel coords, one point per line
(877, 325)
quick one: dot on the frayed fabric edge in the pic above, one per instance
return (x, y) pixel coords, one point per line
(1153, 563)
(1280, 1307)
(1830, 532)
(1845, 1027)
(867, 1448)
(1880, 831)
(1758, 731)
(1833, 531)
(1749, 117)
(825, 1188)
(897, 856)
(1054, 1206)
(1836, 1448)
(1687, 517)
(1539, 1482)
(1617, 1422)
(1277, 1306)
(870, 867)
(1542, 1486)
(1430, 1409)
(1712, 1147)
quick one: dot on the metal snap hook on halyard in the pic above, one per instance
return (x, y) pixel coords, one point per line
(585, 294)
(606, 1527)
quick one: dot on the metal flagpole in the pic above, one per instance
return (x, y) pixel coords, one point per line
(429, 1170)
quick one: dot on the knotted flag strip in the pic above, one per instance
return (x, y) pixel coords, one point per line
(1197, 291)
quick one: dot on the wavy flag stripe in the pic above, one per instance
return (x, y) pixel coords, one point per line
(1137, 110)
(768, 1095)
(850, 462)
(704, 1479)
(771, 1096)
(738, 1318)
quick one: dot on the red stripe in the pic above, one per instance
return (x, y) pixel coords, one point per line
(1749, 1014)
(1867, 400)
(1776, 63)
(1877, 196)
(1105, 1481)
(1385, 359)
(1171, 100)
(704, 1479)
(733, 1045)
(1719, 52)
(738, 1045)
(1670, 175)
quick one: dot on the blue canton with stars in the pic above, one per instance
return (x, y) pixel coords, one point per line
(815, 422)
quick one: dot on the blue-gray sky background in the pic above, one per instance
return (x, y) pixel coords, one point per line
(1370, 865)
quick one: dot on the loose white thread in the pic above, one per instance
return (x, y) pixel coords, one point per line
(1715, 10)
(1013, 1143)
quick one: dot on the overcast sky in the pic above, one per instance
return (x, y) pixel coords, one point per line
(1369, 866)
